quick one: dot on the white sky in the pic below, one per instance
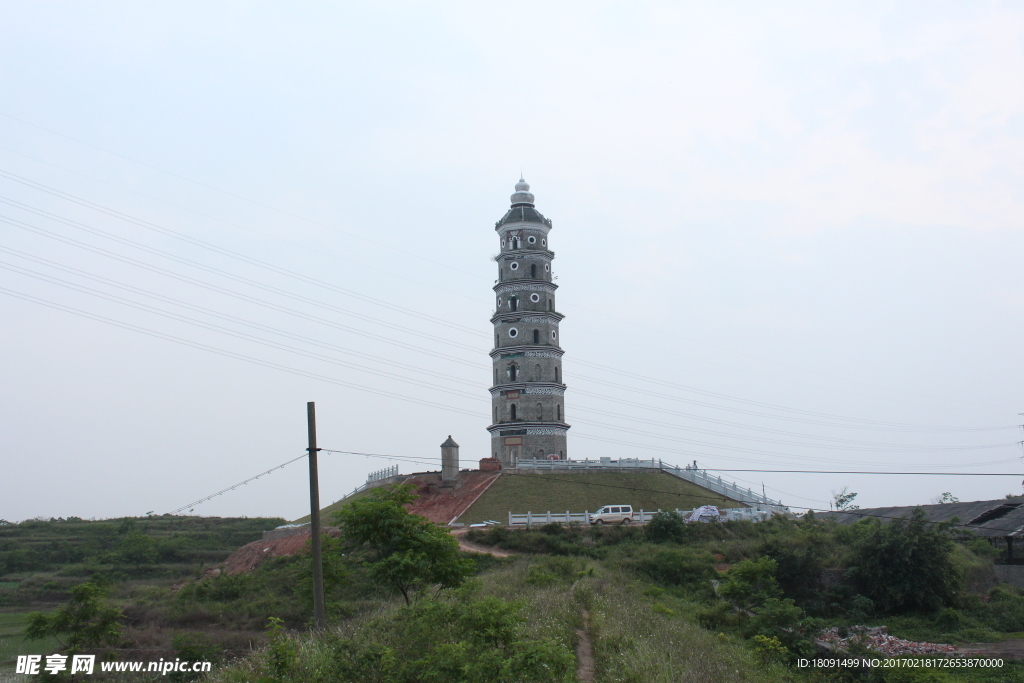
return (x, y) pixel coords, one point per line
(801, 205)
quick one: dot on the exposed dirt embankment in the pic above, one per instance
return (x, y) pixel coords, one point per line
(439, 504)
(444, 504)
(252, 555)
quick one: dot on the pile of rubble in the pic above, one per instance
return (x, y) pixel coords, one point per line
(878, 639)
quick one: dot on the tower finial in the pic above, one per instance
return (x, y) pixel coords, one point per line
(522, 195)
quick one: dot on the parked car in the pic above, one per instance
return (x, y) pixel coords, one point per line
(612, 514)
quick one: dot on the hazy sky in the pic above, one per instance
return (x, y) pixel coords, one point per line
(788, 236)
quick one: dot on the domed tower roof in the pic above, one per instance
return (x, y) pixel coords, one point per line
(522, 210)
(450, 443)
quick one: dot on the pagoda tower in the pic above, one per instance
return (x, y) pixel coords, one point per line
(527, 405)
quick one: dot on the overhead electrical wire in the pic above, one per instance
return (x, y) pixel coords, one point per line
(248, 337)
(22, 254)
(427, 385)
(210, 312)
(233, 487)
(242, 257)
(275, 307)
(225, 274)
(230, 354)
(230, 253)
(408, 380)
(683, 387)
(362, 263)
(340, 231)
(373, 319)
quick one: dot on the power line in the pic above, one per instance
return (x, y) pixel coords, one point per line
(212, 247)
(237, 196)
(227, 292)
(237, 255)
(335, 361)
(875, 446)
(192, 321)
(229, 354)
(351, 385)
(235, 486)
(683, 387)
(208, 311)
(222, 273)
(356, 235)
(242, 335)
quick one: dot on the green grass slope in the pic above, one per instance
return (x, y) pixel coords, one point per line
(579, 491)
(327, 513)
(41, 559)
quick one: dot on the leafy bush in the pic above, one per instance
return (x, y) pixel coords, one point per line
(751, 583)
(905, 566)
(477, 640)
(666, 526)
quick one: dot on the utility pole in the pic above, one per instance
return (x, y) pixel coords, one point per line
(319, 608)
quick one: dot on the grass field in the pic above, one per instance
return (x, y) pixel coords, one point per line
(12, 643)
(579, 491)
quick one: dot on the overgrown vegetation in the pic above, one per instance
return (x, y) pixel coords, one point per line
(671, 601)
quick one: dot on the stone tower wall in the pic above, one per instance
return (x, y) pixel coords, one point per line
(528, 391)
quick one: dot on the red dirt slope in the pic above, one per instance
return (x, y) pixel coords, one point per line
(444, 505)
(250, 556)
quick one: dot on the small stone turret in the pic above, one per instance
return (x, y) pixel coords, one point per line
(449, 461)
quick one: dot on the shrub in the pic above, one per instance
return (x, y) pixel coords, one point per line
(464, 641)
(666, 526)
(769, 649)
(905, 566)
(751, 583)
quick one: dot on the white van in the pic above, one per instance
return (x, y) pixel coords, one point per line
(612, 514)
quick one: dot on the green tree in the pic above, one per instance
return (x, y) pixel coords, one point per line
(136, 548)
(905, 565)
(751, 583)
(410, 552)
(87, 621)
(843, 500)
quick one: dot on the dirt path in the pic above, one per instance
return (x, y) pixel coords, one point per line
(585, 652)
(471, 547)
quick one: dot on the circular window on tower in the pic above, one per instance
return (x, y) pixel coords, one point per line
(543, 243)
(554, 335)
(547, 267)
(535, 298)
(513, 332)
(514, 265)
(503, 244)
(531, 239)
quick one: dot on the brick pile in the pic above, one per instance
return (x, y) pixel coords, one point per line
(878, 639)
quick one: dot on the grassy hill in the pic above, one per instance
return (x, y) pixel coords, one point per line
(41, 559)
(579, 491)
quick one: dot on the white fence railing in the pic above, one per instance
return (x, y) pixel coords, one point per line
(689, 473)
(382, 474)
(639, 516)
